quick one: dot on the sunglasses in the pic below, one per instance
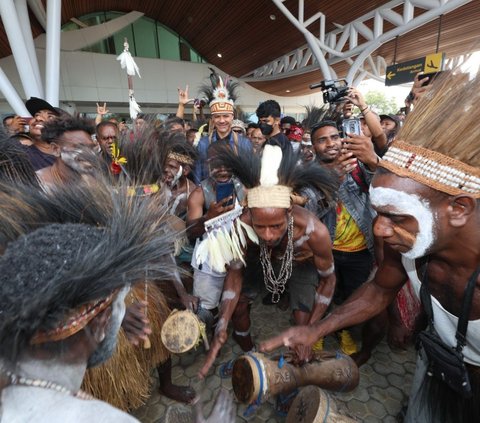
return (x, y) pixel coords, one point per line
(238, 131)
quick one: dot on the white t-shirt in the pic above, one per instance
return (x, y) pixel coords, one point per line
(446, 323)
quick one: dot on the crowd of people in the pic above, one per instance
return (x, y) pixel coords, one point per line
(346, 218)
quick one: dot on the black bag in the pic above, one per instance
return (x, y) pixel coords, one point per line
(445, 362)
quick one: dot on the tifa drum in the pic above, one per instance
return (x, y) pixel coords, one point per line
(314, 405)
(256, 378)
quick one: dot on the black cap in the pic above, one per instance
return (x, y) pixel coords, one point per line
(395, 118)
(35, 104)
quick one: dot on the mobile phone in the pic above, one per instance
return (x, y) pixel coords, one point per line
(431, 76)
(351, 126)
(225, 190)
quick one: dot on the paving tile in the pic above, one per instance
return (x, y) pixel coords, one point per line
(383, 389)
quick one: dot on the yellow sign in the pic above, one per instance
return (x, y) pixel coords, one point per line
(434, 63)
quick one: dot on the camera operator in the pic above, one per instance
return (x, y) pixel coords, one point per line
(370, 122)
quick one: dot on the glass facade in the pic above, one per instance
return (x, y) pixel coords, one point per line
(146, 38)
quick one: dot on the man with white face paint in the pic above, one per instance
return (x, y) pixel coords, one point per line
(426, 193)
(71, 144)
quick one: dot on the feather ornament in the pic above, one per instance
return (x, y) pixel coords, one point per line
(250, 232)
(271, 160)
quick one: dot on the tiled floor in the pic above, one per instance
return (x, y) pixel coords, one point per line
(384, 382)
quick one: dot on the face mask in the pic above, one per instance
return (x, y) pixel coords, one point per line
(265, 128)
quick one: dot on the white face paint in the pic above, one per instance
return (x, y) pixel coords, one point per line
(411, 205)
(228, 295)
(177, 177)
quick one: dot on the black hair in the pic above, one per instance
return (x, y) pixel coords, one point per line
(15, 166)
(55, 129)
(105, 123)
(172, 121)
(7, 117)
(322, 124)
(268, 108)
(252, 125)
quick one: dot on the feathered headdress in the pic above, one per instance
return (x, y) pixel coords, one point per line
(316, 114)
(66, 254)
(273, 177)
(271, 180)
(221, 94)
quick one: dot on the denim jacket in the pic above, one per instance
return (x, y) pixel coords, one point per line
(355, 200)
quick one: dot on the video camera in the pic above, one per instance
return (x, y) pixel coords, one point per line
(334, 90)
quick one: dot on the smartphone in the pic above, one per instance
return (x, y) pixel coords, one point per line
(224, 190)
(351, 126)
(431, 76)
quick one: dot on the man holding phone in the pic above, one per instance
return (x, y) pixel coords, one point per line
(215, 196)
(350, 221)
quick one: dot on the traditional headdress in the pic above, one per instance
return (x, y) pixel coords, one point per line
(221, 94)
(273, 177)
(67, 255)
(271, 181)
(439, 146)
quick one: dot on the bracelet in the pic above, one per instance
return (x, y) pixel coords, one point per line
(362, 110)
(366, 113)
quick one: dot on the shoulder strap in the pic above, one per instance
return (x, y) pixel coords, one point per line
(466, 307)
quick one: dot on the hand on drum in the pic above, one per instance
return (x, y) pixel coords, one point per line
(294, 337)
(190, 302)
(219, 339)
(135, 323)
(303, 354)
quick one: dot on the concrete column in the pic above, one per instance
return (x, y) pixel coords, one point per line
(52, 66)
(12, 96)
(19, 50)
(22, 13)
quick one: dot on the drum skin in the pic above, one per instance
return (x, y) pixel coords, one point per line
(314, 405)
(181, 331)
(256, 378)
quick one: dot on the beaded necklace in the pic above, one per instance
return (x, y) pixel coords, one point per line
(46, 384)
(274, 284)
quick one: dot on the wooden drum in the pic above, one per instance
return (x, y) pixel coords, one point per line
(256, 378)
(314, 405)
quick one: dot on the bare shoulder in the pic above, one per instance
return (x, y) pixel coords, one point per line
(306, 223)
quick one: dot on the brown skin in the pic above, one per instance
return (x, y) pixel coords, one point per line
(270, 224)
(72, 149)
(257, 139)
(36, 125)
(342, 154)
(453, 257)
(106, 136)
(371, 127)
(196, 203)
